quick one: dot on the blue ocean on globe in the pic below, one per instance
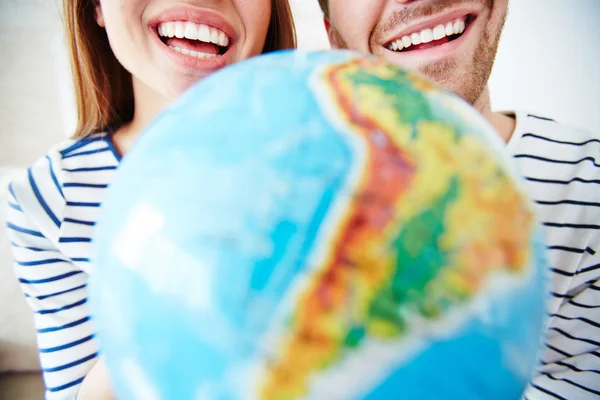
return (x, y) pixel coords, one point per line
(318, 225)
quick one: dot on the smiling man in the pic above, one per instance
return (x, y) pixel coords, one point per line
(454, 42)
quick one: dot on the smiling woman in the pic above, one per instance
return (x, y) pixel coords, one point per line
(103, 80)
(130, 58)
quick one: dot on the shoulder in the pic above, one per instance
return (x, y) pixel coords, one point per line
(561, 168)
(50, 173)
(563, 154)
(534, 131)
(41, 191)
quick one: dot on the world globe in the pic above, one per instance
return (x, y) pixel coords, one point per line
(318, 225)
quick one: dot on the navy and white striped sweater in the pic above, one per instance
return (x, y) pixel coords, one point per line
(53, 207)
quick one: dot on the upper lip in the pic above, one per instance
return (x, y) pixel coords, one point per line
(431, 22)
(195, 15)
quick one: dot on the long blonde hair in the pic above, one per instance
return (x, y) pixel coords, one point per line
(103, 88)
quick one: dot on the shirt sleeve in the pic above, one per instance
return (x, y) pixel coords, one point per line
(570, 359)
(54, 287)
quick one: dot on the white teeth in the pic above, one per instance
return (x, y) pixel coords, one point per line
(204, 33)
(396, 46)
(193, 53)
(170, 29)
(439, 32)
(426, 36)
(192, 31)
(223, 40)
(179, 30)
(214, 36)
(430, 34)
(456, 26)
(449, 29)
(415, 38)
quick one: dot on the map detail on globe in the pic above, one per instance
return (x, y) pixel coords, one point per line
(354, 232)
(393, 255)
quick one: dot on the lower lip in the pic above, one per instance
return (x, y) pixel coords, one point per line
(440, 51)
(193, 63)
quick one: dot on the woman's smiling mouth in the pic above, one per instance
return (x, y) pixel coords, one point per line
(194, 40)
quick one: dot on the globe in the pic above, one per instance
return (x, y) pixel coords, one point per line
(318, 225)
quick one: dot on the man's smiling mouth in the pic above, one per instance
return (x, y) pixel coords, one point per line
(431, 37)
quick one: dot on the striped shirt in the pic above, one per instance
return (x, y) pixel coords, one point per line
(52, 210)
(562, 175)
(53, 207)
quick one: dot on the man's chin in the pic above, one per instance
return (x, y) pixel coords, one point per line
(447, 73)
(402, 63)
(441, 72)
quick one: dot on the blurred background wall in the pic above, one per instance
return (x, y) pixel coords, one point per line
(549, 61)
(35, 89)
